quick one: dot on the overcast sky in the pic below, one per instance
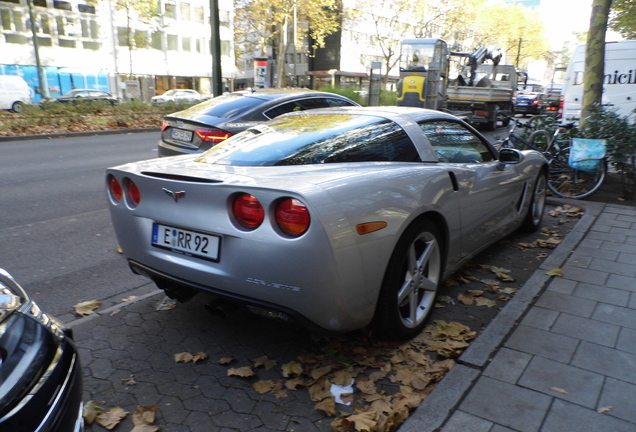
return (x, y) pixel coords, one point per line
(563, 17)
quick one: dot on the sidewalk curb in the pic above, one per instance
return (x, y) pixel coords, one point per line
(76, 134)
(446, 397)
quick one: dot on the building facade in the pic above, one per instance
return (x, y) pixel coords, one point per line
(107, 47)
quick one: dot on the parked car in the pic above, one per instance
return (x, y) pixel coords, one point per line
(213, 121)
(84, 95)
(335, 218)
(529, 103)
(552, 99)
(40, 372)
(177, 95)
(14, 93)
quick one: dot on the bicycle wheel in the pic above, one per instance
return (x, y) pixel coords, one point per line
(568, 182)
(540, 139)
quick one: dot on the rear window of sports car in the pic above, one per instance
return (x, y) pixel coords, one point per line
(226, 106)
(316, 139)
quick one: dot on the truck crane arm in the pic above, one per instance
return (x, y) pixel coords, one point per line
(476, 58)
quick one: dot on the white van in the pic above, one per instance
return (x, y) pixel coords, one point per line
(619, 86)
(14, 93)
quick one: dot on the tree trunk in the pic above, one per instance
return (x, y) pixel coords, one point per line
(595, 58)
(282, 53)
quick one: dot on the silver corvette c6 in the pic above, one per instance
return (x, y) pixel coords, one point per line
(337, 218)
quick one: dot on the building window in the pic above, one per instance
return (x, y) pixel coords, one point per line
(157, 40)
(6, 20)
(18, 22)
(16, 39)
(62, 5)
(122, 36)
(66, 43)
(93, 46)
(186, 44)
(173, 43)
(94, 29)
(224, 18)
(141, 39)
(45, 24)
(86, 8)
(184, 12)
(170, 11)
(199, 14)
(40, 3)
(85, 31)
(45, 41)
(67, 26)
(11, 1)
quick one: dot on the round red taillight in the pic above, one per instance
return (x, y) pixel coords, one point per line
(116, 192)
(248, 211)
(292, 217)
(133, 194)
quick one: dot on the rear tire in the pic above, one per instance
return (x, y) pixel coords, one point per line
(411, 282)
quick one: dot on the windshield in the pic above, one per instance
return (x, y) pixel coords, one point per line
(169, 93)
(315, 139)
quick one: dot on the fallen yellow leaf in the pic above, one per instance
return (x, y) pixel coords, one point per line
(328, 406)
(244, 372)
(91, 411)
(87, 308)
(111, 418)
(558, 390)
(263, 387)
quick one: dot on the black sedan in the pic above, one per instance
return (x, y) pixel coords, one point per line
(204, 125)
(40, 373)
(529, 103)
(84, 95)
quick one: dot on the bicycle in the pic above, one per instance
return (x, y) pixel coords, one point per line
(565, 178)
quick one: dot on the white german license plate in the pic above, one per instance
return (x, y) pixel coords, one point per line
(186, 242)
(181, 135)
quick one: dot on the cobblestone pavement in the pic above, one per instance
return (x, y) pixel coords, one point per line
(573, 335)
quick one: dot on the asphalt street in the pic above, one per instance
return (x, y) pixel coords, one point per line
(56, 238)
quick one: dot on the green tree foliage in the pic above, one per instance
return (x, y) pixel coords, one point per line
(516, 30)
(618, 131)
(266, 23)
(623, 18)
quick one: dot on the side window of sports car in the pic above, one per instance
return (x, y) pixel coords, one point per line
(282, 109)
(338, 102)
(453, 143)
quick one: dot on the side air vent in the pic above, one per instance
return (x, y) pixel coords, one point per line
(180, 177)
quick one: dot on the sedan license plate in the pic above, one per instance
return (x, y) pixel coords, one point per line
(186, 242)
(181, 135)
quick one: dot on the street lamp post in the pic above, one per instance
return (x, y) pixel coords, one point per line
(215, 42)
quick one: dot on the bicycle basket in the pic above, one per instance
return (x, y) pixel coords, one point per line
(587, 154)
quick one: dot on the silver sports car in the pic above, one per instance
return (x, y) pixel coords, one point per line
(337, 218)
